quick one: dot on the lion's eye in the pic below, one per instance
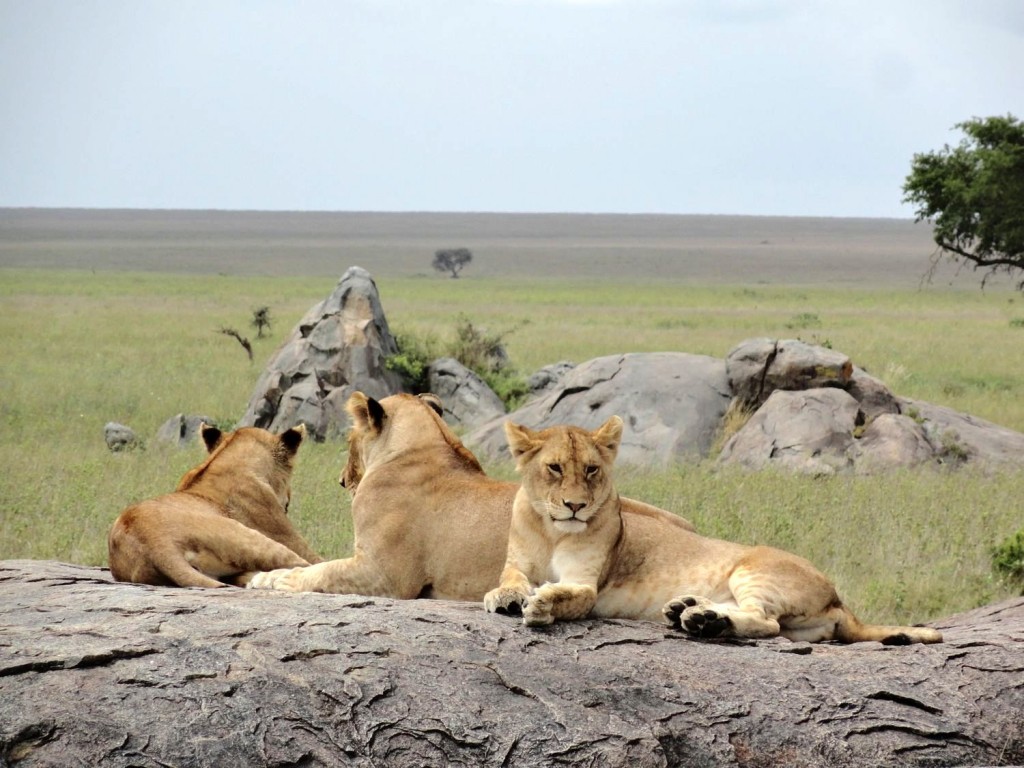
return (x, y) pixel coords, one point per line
(591, 470)
(555, 469)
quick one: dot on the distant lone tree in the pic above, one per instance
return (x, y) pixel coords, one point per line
(452, 260)
(973, 194)
(261, 320)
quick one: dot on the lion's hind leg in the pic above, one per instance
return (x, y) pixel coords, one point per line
(749, 606)
(702, 617)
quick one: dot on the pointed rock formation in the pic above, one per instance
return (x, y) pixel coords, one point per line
(340, 346)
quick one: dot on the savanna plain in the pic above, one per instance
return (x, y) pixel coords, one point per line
(115, 316)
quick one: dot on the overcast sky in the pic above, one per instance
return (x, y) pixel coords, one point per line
(665, 106)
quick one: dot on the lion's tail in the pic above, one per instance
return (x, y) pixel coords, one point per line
(849, 629)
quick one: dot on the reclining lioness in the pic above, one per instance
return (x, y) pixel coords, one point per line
(428, 522)
(227, 518)
(572, 553)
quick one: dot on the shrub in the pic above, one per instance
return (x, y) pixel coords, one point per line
(480, 351)
(1008, 558)
(412, 362)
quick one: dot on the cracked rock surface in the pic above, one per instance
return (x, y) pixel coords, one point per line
(94, 672)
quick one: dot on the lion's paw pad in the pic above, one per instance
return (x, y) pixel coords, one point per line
(695, 616)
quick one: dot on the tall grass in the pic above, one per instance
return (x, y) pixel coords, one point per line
(81, 349)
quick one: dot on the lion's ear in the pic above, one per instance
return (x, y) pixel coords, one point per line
(210, 434)
(366, 412)
(521, 440)
(434, 402)
(609, 435)
(292, 438)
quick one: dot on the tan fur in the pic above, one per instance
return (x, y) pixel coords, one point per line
(572, 553)
(428, 522)
(227, 518)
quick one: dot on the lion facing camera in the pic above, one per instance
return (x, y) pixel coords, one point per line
(572, 553)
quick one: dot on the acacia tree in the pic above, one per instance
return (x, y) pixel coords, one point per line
(973, 194)
(452, 260)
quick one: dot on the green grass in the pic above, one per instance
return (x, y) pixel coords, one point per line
(82, 348)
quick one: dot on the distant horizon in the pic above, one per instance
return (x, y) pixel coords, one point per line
(634, 214)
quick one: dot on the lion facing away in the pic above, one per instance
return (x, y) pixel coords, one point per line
(227, 518)
(572, 553)
(428, 521)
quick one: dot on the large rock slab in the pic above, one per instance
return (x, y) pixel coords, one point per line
(94, 672)
(672, 404)
(340, 346)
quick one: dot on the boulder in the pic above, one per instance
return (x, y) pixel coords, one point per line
(181, 430)
(340, 346)
(94, 672)
(889, 442)
(757, 367)
(872, 395)
(823, 431)
(960, 438)
(809, 431)
(672, 404)
(120, 437)
(468, 401)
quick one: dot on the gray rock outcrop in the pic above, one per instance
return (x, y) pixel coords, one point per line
(672, 404)
(120, 437)
(758, 367)
(468, 401)
(815, 412)
(959, 437)
(181, 430)
(810, 431)
(94, 672)
(340, 346)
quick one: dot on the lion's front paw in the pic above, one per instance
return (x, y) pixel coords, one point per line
(538, 611)
(505, 600)
(284, 579)
(695, 616)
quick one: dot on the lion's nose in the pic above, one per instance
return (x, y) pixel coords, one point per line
(574, 506)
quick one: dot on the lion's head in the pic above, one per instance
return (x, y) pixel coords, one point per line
(406, 420)
(566, 471)
(248, 452)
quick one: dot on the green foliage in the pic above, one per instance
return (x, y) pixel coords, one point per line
(804, 320)
(480, 351)
(973, 194)
(412, 363)
(1017, 322)
(1008, 558)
